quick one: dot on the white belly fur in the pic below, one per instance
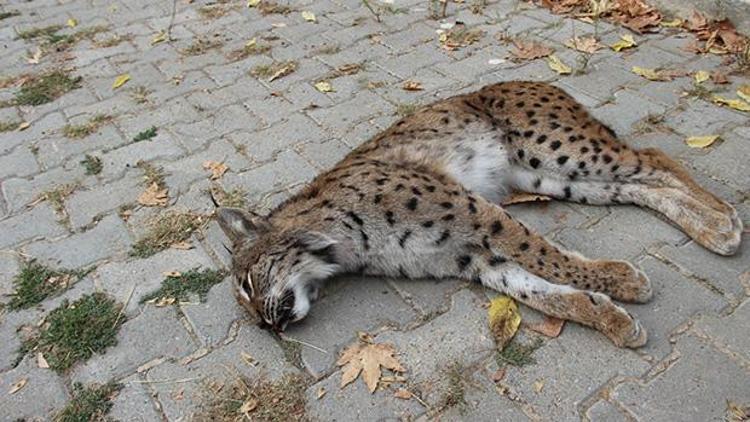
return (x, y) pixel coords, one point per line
(481, 164)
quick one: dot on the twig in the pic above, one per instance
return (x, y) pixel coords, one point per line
(287, 338)
(177, 381)
(171, 20)
(127, 301)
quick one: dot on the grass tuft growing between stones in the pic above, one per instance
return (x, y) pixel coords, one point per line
(273, 8)
(56, 197)
(274, 71)
(86, 129)
(456, 392)
(518, 354)
(89, 404)
(36, 282)
(235, 198)
(179, 288)
(92, 165)
(167, 229)
(257, 400)
(46, 88)
(7, 126)
(405, 109)
(146, 134)
(9, 14)
(74, 332)
(39, 32)
(201, 46)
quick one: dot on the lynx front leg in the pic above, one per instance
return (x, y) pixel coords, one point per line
(588, 308)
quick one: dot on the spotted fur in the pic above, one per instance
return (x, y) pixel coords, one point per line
(420, 201)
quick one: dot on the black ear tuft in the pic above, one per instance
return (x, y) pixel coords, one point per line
(238, 224)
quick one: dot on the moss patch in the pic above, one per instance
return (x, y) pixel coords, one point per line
(36, 282)
(518, 354)
(39, 32)
(274, 70)
(201, 46)
(406, 109)
(166, 230)
(263, 400)
(456, 393)
(89, 404)
(92, 165)
(9, 14)
(73, 332)
(86, 129)
(181, 287)
(273, 8)
(46, 88)
(146, 134)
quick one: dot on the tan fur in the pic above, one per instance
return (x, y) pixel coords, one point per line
(416, 201)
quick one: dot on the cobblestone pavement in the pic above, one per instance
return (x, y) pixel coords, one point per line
(275, 136)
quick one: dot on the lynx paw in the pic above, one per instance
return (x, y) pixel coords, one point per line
(627, 283)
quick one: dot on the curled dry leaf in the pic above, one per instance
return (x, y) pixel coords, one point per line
(403, 394)
(248, 359)
(701, 76)
(18, 385)
(529, 50)
(504, 319)
(252, 3)
(626, 41)
(161, 36)
(321, 392)
(217, 168)
(183, 246)
(283, 71)
(660, 75)
(24, 126)
(171, 273)
(549, 326)
(719, 78)
(41, 361)
(558, 66)
(674, 23)
(733, 103)
(538, 385)
(367, 359)
(412, 86)
(701, 141)
(154, 196)
(498, 375)
(584, 44)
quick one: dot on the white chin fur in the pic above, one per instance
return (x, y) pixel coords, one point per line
(301, 303)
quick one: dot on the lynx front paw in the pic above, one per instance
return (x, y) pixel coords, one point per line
(628, 283)
(624, 330)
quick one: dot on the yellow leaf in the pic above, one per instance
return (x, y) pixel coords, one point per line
(120, 80)
(674, 23)
(252, 3)
(701, 76)
(321, 392)
(558, 66)
(583, 44)
(403, 394)
(309, 16)
(251, 43)
(72, 23)
(324, 86)
(701, 141)
(504, 319)
(160, 37)
(732, 103)
(626, 41)
(248, 359)
(744, 92)
(650, 74)
(18, 385)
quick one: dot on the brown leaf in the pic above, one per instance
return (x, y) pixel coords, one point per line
(498, 375)
(217, 168)
(367, 359)
(549, 326)
(183, 246)
(18, 385)
(412, 86)
(719, 78)
(171, 273)
(584, 44)
(403, 394)
(529, 50)
(154, 196)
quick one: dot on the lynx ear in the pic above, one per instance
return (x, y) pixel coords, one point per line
(241, 225)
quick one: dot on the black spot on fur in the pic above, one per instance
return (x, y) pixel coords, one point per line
(403, 238)
(412, 204)
(472, 208)
(562, 159)
(443, 237)
(496, 260)
(446, 205)
(523, 246)
(448, 217)
(355, 218)
(389, 218)
(463, 261)
(534, 162)
(496, 227)
(378, 198)
(555, 145)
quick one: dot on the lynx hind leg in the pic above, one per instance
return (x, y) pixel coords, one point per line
(588, 308)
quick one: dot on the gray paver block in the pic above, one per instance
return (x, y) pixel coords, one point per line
(21, 192)
(484, 403)
(288, 168)
(222, 366)
(339, 117)
(86, 205)
(731, 331)
(547, 217)
(43, 395)
(108, 238)
(21, 162)
(368, 303)
(625, 111)
(701, 118)
(324, 154)
(212, 319)
(41, 221)
(727, 161)
(133, 402)
(686, 392)
(118, 161)
(155, 333)
(605, 411)
(265, 144)
(428, 296)
(9, 268)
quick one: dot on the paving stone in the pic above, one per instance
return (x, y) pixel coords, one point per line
(625, 111)
(340, 117)
(572, 367)
(41, 127)
(700, 118)
(369, 304)
(730, 331)
(265, 144)
(548, 216)
(601, 81)
(324, 155)
(484, 403)
(20, 192)
(133, 402)
(108, 238)
(726, 161)
(59, 150)
(288, 168)
(428, 296)
(685, 390)
(9, 268)
(212, 319)
(155, 333)
(118, 161)
(39, 222)
(144, 276)
(605, 411)
(43, 395)
(222, 366)
(21, 162)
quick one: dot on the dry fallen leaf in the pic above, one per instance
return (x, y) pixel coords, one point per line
(309, 16)
(283, 71)
(737, 412)
(252, 3)
(248, 359)
(661, 75)
(171, 273)
(18, 385)
(183, 246)
(529, 50)
(521, 197)
(72, 22)
(674, 23)
(701, 141)
(558, 66)
(504, 319)
(412, 86)
(248, 407)
(366, 358)
(154, 196)
(538, 385)
(324, 86)
(24, 126)
(701, 76)
(744, 92)
(36, 57)
(321, 392)
(736, 104)
(549, 326)
(120, 80)
(41, 361)
(626, 41)
(160, 37)
(584, 44)
(164, 301)
(217, 169)
(719, 78)
(498, 375)
(403, 394)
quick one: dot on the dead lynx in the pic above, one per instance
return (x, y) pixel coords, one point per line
(420, 201)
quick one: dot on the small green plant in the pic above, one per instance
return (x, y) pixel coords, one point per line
(36, 282)
(7, 126)
(201, 46)
(73, 332)
(275, 70)
(46, 88)
(86, 129)
(39, 32)
(252, 48)
(56, 197)
(89, 404)
(181, 286)
(456, 393)
(517, 354)
(405, 109)
(167, 229)
(146, 134)
(140, 95)
(327, 49)
(92, 165)
(9, 14)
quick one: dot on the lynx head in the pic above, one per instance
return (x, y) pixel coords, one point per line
(276, 270)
